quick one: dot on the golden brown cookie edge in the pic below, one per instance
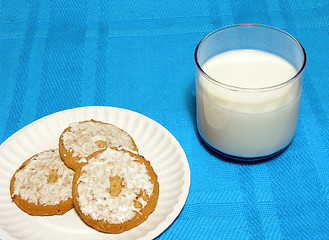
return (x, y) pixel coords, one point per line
(104, 226)
(38, 209)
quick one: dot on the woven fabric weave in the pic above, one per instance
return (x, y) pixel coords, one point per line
(138, 55)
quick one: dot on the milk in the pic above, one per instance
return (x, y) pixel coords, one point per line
(247, 122)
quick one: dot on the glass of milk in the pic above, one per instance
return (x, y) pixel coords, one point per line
(249, 83)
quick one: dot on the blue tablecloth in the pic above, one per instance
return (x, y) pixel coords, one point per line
(138, 55)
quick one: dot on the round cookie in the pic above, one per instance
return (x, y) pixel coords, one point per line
(115, 191)
(82, 140)
(42, 185)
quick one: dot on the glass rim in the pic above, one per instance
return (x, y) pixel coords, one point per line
(236, 88)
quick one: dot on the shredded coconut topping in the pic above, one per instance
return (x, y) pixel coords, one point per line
(94, 185)
(83, 137)
(35, 184)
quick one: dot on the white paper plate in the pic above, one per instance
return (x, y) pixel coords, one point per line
(155, 143)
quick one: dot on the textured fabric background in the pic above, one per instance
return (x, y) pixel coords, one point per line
(138, 55)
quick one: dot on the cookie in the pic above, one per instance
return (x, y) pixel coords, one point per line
(80, 140)
(42, 185)
(115, 191)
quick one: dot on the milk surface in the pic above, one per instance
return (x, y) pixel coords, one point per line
(250, 122)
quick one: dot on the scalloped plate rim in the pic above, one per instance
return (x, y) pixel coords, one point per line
(176, 209)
